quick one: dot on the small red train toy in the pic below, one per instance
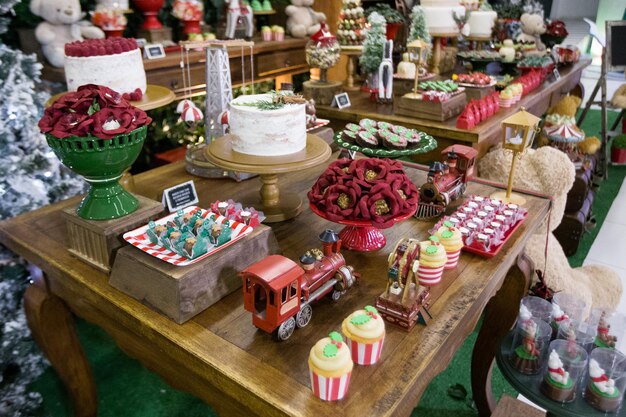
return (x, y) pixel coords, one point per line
(446, 180)
(279, 292)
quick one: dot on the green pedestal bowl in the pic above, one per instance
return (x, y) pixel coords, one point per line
(101, 162)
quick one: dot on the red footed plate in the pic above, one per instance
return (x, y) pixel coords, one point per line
(361, 235)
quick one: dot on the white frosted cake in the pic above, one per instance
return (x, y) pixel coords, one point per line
(440, 3)
(266, 132)
(440, 19)
(115, 63)
(113, 4)
(481, 22)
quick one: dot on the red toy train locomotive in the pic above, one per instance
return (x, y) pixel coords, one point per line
(279, 292)
(446, 180)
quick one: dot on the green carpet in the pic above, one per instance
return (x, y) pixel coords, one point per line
(125, 388)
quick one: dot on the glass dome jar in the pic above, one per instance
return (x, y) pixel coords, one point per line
(322, 51)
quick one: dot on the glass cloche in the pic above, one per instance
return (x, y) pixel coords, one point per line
(322, 51)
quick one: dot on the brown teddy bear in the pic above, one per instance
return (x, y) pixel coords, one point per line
(619, 97)
(549, 171)
(567, 106)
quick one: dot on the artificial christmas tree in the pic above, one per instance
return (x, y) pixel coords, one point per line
(30, 177)
(418, 26)
(351, 26)
(373, 48)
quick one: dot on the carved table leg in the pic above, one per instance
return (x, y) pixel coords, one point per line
(52, 326)
(499, 317)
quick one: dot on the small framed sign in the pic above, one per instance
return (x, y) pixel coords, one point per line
(341, 100)
(180, 196)
(141, 42)
(557, 74)
(154, 51)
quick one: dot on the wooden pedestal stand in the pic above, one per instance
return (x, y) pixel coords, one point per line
(155, 35)
(155, 96)
(322, 92)
(437, 37)
(479, 40)
(97, 241)
(353, 53)
(181, 292)
(277, 206)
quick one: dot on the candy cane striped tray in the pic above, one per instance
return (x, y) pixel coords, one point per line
(140, 240)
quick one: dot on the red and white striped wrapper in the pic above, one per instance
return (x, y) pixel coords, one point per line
(453, 259)
(365, 353)
(330, 389)
(140, 239)
(428, 275)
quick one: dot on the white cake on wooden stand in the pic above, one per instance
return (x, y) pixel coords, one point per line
(481, 23)
(439, 16)
(266, 132)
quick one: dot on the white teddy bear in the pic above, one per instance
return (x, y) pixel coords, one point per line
(302, 20)
(62, 24)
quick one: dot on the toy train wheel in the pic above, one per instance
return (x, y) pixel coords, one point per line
(336, 295)
(285, 330)
(304, 316)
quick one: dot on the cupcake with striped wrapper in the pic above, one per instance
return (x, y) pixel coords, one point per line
(330, 367)
(433, 258)
(365, 334)
(452, 241)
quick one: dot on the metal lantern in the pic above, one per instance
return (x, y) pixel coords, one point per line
(518, 134)
(518, 130)
(418, 54)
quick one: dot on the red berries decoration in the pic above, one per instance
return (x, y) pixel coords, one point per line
(100, 47)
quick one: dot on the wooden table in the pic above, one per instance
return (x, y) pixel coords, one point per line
(220, 357)
(482, 137)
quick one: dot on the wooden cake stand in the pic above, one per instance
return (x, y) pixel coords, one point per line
(156, 96)
(277, 206)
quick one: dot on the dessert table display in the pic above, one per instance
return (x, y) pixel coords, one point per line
(221, 357)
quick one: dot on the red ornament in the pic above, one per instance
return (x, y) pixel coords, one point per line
(191, 115)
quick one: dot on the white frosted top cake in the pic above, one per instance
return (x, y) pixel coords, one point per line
(115, 63)
(113, 4)
(481, 22)
(439, 17)
(262, 132)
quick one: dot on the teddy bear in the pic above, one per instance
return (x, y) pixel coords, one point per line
(549, 171)
(302, 20)
(619, 97)
(567, 106)
(62, 24)
(532, 27)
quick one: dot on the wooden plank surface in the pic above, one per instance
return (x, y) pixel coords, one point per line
(221, 350)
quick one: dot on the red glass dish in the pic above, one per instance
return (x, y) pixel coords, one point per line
(361, 235)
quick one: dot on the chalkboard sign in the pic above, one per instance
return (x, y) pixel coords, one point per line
(615, 41)
(180, 196)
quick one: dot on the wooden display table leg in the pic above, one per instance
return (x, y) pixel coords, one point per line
(278, 206)
(52, 327)
(499, 317)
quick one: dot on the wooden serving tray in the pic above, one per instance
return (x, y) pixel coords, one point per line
(181, 292)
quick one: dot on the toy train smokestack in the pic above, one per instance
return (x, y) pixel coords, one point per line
(330, 242)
